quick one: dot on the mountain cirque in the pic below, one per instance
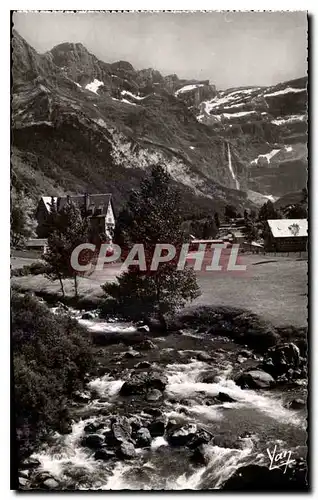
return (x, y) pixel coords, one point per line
(81, 124)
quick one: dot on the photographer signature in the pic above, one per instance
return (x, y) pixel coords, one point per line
(281, 459)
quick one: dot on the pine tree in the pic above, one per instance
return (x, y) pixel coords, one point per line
(153, 215)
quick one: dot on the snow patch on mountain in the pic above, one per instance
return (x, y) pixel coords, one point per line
(267, 157)
(94, 86)
(187, 88)
(286, 90)
(290, 119)
(130, 94)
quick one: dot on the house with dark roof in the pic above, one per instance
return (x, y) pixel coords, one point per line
(286, 235)
(98, 208)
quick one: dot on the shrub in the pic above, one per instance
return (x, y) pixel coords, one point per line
(51, 356)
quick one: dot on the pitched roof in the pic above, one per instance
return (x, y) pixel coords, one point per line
(286, 228)
(95, 200)
(47, 201)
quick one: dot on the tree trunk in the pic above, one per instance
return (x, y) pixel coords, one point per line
(62, 287)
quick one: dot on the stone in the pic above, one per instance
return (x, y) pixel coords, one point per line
(131, 354)
(146, 345)
(23, 482)
(30, 463)
(104, 454)
(297, 404)
(201, 437)
(143, 438)
(126, 450)
(87, 315)
(255, 379)
(90, 428)
(225, 398)
(50, 484)
(226, 442)
(259, 478)
(139, 383)
(209, 377)
(121, 430)
(199, 456)
(282, 358)
(143, 328)
(157, 428)
(155, 412)
(143, 364)
(92, 441)
(203, 356)
(154, 395)
(180, 436)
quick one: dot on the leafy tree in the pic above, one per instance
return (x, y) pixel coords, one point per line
(23, 223)
(268, 211)
(217, 220)
(51, 357)
(230, 212)
(153, 215)
(69, 229)
(251, 230)
(298, 211)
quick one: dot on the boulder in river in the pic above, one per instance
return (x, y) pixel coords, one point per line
(297, 404)
(131, 354)
(104, 454)
(204, 356)
(139, 383)
(88, 315)
(126, 450)
(146, 345)
(120, 430)
(143, 365)
(50, 484)
(29, 463)
(143, 438)
(157, 427)
(92, 441)
(255, 379)
(260, 478)
(199, 456)
(181, 435)
(282, 358)
(225, 398)
(154, 395)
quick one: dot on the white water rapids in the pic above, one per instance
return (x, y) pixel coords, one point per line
(186, 399)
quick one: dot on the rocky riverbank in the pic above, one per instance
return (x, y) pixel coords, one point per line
(191, 410)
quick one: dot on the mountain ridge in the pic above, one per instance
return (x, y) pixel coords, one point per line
(83, 124)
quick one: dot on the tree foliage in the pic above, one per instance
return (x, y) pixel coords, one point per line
(23, 222)
(51, 356)
(153, 215)
(68, 230)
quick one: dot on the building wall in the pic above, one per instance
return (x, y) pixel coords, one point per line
(42, 218)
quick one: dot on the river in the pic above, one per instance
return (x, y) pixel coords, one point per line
(197, 367)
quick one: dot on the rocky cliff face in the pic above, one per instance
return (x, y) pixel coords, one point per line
(83, 124)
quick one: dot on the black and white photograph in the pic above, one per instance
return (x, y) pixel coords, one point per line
(159, 251)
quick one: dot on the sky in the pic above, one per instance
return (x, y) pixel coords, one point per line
(231, 49)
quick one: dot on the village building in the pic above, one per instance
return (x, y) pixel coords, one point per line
(286, 235)
(98, 208)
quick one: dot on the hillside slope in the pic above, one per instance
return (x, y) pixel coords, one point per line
(80, 124)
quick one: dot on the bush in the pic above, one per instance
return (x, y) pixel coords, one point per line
(34, 269)
(242, 326)
(51, 356)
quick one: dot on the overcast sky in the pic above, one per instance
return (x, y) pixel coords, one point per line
(229, 49)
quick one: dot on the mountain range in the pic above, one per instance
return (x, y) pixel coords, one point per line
(80, 124)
